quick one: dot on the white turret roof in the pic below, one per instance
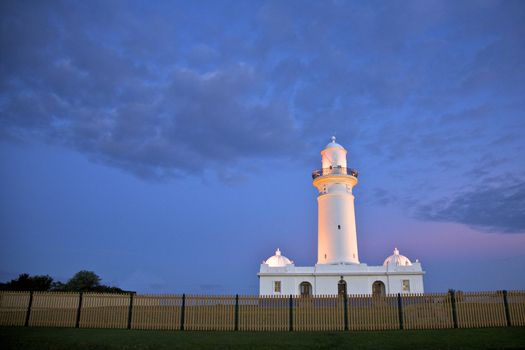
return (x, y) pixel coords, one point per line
(333, 144)
(278, 260)
(397, 260)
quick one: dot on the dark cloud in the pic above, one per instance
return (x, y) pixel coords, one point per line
(196, 122)
(84, 85)
(493, 208)
(167, 89)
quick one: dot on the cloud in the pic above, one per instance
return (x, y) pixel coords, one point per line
(159, 92)
(196, 122)
(492, 208)
(67, 83)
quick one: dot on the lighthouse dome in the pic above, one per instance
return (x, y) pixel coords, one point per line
(397, 260)
(333, 144)
(278, 260)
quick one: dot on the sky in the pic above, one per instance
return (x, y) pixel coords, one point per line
(168, 146)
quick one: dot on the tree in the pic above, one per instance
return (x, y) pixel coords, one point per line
(83, 281)
(24, 282)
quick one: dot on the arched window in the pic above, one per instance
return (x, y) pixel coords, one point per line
(378, 289)
(305, 288)
(341, 287)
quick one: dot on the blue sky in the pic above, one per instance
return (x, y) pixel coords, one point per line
(168, 146)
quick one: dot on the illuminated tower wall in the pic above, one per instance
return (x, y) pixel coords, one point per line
(337, 239)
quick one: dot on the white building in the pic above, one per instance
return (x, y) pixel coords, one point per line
(338, 269)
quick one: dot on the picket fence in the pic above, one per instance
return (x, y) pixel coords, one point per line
(263, 313)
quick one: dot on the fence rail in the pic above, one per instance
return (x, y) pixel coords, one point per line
(263, 313)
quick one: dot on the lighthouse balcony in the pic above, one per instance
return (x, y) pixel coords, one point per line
(338, 170)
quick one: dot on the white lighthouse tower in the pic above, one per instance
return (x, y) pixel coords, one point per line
(337, 237)
(338, 269)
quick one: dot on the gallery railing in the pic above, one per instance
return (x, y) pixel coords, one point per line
(334, 171)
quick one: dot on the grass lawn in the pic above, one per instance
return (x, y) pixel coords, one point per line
(70, 338)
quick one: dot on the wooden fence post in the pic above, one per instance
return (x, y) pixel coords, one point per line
(28, 313)
(236, 326)
(291, 313)
(182, 312)
(346, 311)
(400, 310)
(506, 303)
(80, 295)
(452, 293)
(130, 310)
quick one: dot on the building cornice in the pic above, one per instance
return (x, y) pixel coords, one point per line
(320, 274)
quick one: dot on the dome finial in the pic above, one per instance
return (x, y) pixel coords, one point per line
(278, 252)
(333, 139)
(396, 251)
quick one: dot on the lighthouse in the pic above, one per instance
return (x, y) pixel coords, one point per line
(336, 229)
(338, 269)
